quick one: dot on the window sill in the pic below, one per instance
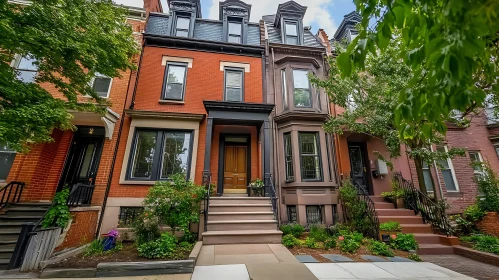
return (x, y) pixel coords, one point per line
(454, 194)
(131, 182)
(174, 102)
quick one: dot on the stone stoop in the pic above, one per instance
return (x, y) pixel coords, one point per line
(429, 243)
(241, 220)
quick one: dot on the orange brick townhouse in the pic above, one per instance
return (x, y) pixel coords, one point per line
(198, 109)
(81, 159)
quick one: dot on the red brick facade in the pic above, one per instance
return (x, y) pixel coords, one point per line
(490, 224)
(82, 230)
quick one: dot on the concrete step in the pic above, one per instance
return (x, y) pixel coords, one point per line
(435, 249)
(376, 198)
(240, 207)
(26, 211)
(6, 253)
(11, 225)
(9, 233)
(416, 228)
(239, 200)
(401, 219)
(242, 225)
(17, 218)
(8, 243)
(45, 205)
(395, 212)
(427, 238)
(231, 216)
(4, 263)
(383, 205)
(242, 237)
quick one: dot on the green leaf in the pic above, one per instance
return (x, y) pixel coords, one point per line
(345, 64)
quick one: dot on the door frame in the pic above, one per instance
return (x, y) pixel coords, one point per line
(365, 158)
(221, 157)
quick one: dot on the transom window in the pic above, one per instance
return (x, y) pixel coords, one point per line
(291, 33)
(7, 157)
(26, 68)
(158, 154)
(102, 85)
(235, 32)
(174, 88)
(448, 171)
(182, 26)
(288, 157)
(309, 156)
(301, 94)
(234, 84)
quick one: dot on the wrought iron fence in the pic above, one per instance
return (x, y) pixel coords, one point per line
(11, 193)
(371, 229)
(271, 193)
(422, 205)
(81, 194)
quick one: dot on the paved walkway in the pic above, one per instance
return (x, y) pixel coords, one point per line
(245, 254)
(465, 266)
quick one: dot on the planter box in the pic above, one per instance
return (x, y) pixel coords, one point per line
(490, 224)
(398, 203)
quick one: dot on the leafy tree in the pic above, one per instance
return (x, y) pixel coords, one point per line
(450, 44)
(70, 41)
(371, 96)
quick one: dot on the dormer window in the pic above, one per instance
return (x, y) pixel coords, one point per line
(235, 32)
(182, 26)
(291, 32)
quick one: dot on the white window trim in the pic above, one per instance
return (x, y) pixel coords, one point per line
(453, 172)
(480, 158)
(102, 76)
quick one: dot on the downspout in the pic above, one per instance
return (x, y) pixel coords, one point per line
(111, 172)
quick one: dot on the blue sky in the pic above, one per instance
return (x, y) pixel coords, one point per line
(326, 14)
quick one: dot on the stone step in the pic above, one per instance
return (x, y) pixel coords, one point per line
(4, 263)
(376, 198)
(416, 228)
(6, 253)
(7, 233)
(242, 225)
(395, 212)
(239, 200)
(383, 205)
(8, 243)
(231, 216)
(435, 249)
(26, 211)
(401, 219)
(427, 238)
(11, 225)
(45, 205)
(242, 237)
(240, 207)
(17, 218)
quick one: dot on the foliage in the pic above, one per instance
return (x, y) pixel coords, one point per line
(372, 95)
(164, 247)
(396, 192)
(295, 229)
(329, 243)
(466, 222)
(355, 209)
(380, 249)
(473, 213)
(290, 241)
(390, 226)
(58, 214)
(404, 242)
(311, 243)
(414, 257)
(96, 248)
(486, 243)
(349, 245)
(489, 187)
(145, 228)
(71, 40)
(335, 229)
(175, 202)
(318, 232)
(450, 47)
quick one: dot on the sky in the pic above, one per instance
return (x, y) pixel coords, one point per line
(326, 14)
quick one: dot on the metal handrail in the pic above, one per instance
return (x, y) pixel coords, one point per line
(271, 193)
(81, 194)
(370, 211)
(207, 184)
(424, 206)
(9, 197)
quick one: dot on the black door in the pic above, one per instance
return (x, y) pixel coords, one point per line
(83, 158)
(358, 166)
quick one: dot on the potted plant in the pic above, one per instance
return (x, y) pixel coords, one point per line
(388, 229)
(256, 188)
(396, 196)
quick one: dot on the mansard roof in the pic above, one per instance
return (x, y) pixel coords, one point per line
(236, 6)
(347, 24)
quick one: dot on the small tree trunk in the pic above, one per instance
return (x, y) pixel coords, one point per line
(419, 171)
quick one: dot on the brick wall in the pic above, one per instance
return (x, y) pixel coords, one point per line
(490, 224)
(82, 230)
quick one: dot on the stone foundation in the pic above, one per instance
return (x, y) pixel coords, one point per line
(490, 224)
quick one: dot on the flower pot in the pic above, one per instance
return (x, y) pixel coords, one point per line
(399, 203)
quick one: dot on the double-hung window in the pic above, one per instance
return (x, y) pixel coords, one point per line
(175, 78)
(291, 32)
(448, 171)
(159, 154)
(7, 157)
(301, 89)
(26, 68)
(284, 89)
(182, 26)
(288, 157)
(476, 164)
(310, 156)
(102, 85)
(427, 177)
(235, 31)
(234, 84)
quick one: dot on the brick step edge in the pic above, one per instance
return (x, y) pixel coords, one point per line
(480, 256)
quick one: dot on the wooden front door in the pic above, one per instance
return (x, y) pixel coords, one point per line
(235, 169)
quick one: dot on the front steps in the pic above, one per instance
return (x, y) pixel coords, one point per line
(241, 220)
(429, 243)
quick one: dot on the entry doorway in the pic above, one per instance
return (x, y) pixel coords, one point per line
(234, 165)
(359, 165)
(83, 159)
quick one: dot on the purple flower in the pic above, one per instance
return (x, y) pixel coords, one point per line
(114, 233)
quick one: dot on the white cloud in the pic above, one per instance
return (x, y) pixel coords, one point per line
(317, 11)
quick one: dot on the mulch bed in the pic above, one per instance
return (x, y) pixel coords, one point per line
(316, 253)
(127, 254)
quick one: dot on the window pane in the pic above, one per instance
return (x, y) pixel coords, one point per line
(87, 160)
(176, 74)
(145, 148)
(233, 94)
(182, 33)
(291, 40)
(288, 155)
(101, 86)
(284, 88)
(301, 88)
(183, 23)
(175, 82)
(235, 39)
(308, 144)
(233, 79)
(292, 214)
(27, 64)
(427, 179)
(234, 28)
(27, 76)
(310, 164)
(310, 168)
(6, 161)
(449, 180)
(291, 29)
(128, 215)
(314, 214)
(300, 79)
(174, 91)
(176, 154)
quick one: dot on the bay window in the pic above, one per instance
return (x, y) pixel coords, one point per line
(301, 89)
(288, 157)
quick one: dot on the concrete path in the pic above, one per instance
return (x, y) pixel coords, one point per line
(245, 254)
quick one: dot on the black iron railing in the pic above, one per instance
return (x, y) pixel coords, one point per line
(271, 193)
(81, 195)
(429, 210)
(372, 228)
(207, 184)
(11, 193)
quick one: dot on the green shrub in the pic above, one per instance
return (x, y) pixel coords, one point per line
(295, 229)
(311, 243)
(489, 187)
(356, 213)
(318, 232)
(414, 257)
(485, 243)
(164, 247)
(330, 243)
(404, 242)
(380, 249)
(473, 213)
(335, 229)
(58, 214)
(347, 234)
(349, 245)
(146, 228)
(96, 248)
(390, 226)
(290, 241)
